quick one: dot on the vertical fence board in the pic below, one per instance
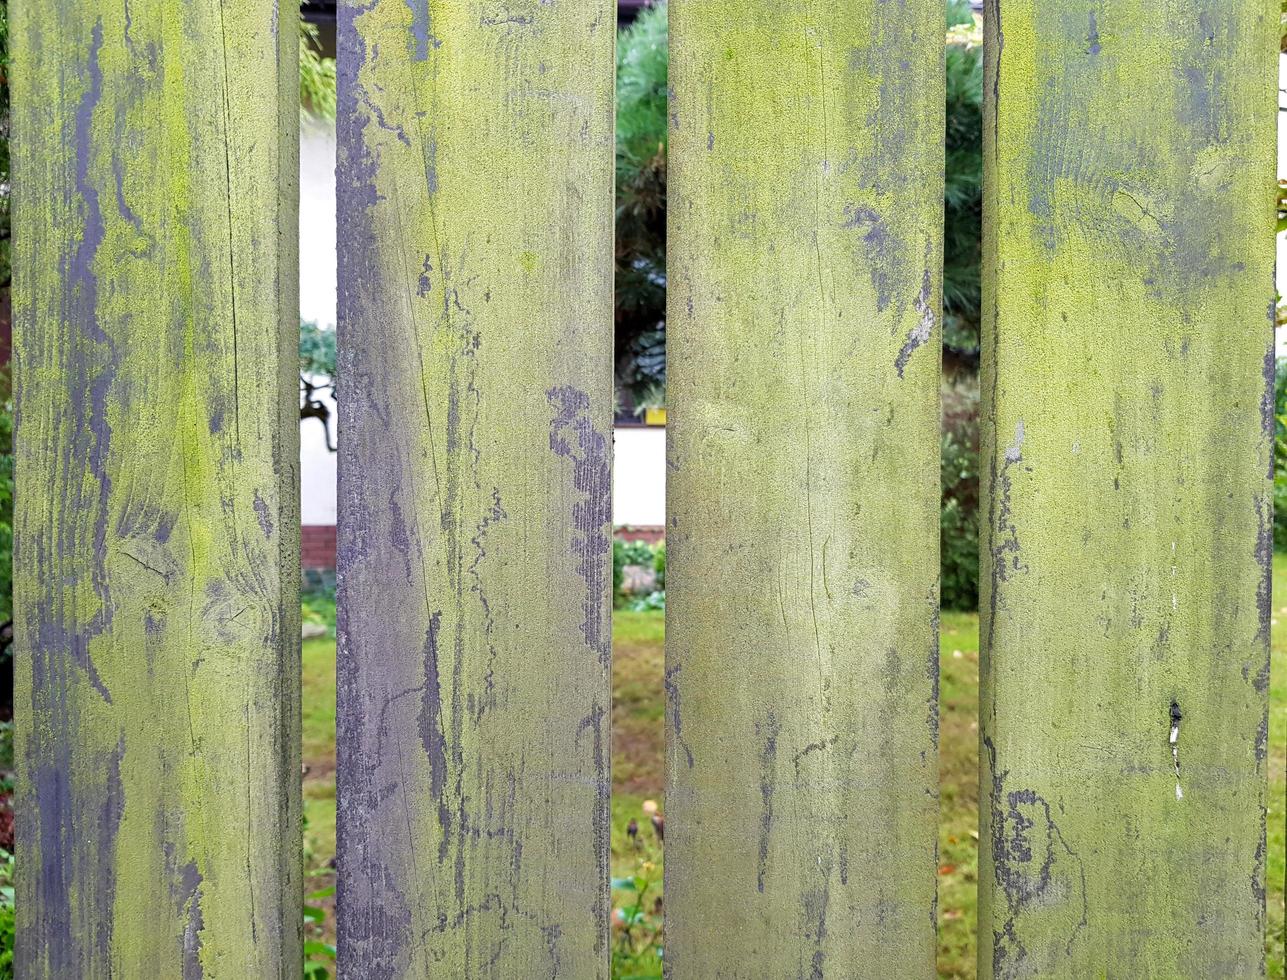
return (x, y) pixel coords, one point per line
(156, 554)
(475, 208)
(805, 202)
(1129, 437)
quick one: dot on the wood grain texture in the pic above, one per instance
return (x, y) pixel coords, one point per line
(475, 208)
(805, 204)
(1129, 437)
(157, 599)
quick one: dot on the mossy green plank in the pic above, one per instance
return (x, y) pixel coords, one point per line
(1128, 434)
(475, 209)
(156, 555)
(805, 209)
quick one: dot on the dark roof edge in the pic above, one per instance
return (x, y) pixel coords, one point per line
(323, 11)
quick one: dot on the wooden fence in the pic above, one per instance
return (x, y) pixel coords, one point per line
(1128, 447)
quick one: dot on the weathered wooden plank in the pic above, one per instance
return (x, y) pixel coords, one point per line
(475, 206)
(157, 543)
(805, 200)
(1128, 433)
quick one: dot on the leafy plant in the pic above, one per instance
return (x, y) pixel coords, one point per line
(637, 553)
(7, 914)
(316, 75)
(962, 304)
(654, 601)
(319, 955)
(1280, 455)
(637, 904)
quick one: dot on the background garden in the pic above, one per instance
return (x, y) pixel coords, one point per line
(639, 569)
(638, 806)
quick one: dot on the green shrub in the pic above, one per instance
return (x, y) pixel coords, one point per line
(6, 544)
(6, 496)
(959, 530)
(316, 76)
(642, 554)
(963, 198)
(1280, 455)
(652, 602)
(640, 294)
(317, 600)
(7, 915)
(618, 567)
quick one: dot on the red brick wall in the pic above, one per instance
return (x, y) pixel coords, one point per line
(317, 546)
(651, 533)
(317, 542)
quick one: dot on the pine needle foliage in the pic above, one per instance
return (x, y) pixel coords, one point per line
(642, 68)
(963, 194)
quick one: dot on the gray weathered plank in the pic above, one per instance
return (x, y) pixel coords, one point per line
(1129, 444)
(805, 203)
(475, 208)
(157, 543)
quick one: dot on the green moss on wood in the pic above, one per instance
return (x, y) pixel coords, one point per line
(157, 518)
(1128, 434)
(806, 178)
(475, 175)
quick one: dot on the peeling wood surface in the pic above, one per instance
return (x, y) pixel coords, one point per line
(1128, 432)
(475, 209)
(157, 547)
(803, 488)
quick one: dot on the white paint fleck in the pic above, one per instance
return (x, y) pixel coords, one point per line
(1014, 451)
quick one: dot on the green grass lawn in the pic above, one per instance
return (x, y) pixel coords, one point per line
(638, 706)
(958, 767)
(1276, 868)
(319, 750)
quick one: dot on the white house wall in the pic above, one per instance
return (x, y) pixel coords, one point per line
(639, 485)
